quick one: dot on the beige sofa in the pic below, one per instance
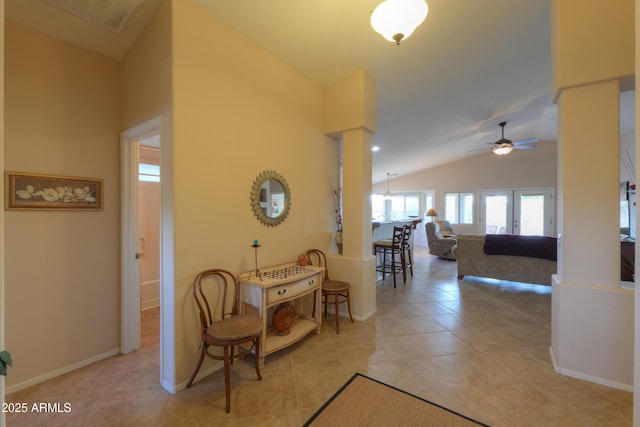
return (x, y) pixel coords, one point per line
(472, 261)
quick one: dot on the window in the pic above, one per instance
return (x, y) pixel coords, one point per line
(377, 207)
(458, 208)
(148, 172)
(400, 207)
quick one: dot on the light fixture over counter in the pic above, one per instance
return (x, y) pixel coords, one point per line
(397, 19)
(388, 196)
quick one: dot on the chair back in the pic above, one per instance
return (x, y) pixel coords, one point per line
(398, 235)
(406, 235)
(317, 258)
(216, 294)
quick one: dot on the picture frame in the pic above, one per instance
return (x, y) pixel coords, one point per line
(32, 191)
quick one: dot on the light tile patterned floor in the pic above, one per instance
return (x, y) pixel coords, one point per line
(476, 346)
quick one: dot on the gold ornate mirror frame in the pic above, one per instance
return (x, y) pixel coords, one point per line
(270, 198)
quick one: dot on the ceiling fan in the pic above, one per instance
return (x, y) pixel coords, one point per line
(505, 146)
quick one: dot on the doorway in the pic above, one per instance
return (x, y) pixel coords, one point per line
(526, 212)
(130, 251)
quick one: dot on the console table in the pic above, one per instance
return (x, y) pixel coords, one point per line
(276, 285)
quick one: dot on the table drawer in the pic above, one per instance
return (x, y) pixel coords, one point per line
(291, 290)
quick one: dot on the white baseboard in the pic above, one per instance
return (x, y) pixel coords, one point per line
(586, 377)
(61, 371)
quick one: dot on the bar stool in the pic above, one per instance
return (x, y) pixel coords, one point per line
(394, 248)
(406, 251)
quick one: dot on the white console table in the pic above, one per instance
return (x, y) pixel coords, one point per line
(277, 285)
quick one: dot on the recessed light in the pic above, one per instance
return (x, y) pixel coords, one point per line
(375, 148)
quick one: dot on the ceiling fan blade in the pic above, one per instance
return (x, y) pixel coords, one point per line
(524, 147)
(479, 149)
(526, 141)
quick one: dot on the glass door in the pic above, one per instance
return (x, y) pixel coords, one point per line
(496, 212)
(527, 212)
(533, 211)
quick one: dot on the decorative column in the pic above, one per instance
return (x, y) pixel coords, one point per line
(350, 116)
(592, 325)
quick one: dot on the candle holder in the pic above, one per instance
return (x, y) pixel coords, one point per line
(255, 247)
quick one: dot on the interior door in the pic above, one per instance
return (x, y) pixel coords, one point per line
(527, 212)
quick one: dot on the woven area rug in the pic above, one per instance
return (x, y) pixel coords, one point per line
(363, 401)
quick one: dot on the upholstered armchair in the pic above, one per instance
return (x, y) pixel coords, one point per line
(441, 239)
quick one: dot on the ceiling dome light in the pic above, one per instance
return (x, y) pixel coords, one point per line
(397, 19)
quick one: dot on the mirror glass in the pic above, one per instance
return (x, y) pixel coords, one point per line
(270, 198)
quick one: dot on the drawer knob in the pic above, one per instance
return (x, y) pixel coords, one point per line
(282, 291)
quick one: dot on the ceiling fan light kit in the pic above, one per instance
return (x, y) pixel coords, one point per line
(505, 146)
(396, 20)
(501, 150)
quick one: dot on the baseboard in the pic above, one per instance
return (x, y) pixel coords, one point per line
(61, 371)
(586, 377)
(203, 373)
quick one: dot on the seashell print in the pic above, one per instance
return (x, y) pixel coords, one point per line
(23, 194)
(79, 193)
(30, 188)
(50, 195)
(90, 199)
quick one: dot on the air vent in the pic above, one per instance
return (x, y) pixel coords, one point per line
(111, 14)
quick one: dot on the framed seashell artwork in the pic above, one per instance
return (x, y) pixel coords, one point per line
(27, 191)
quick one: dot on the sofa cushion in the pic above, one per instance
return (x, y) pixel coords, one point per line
(530, 246)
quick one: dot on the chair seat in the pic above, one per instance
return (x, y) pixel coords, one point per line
(384, 242)
(335, 286)
(235, 328)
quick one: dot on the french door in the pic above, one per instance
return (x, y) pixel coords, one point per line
(527, 212)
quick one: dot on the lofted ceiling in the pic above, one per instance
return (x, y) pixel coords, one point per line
(440, 93)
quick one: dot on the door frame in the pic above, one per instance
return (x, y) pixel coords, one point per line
(130, 242)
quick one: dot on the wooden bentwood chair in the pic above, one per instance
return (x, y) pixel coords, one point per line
(230, 330)
(337, 289)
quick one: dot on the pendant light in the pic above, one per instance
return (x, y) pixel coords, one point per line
(397, 19)
(388, 196)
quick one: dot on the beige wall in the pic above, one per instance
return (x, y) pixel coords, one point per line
(63, 117)
(519, 169)
(237, 112)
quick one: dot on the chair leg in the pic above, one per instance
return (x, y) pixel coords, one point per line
(227, 379)
(203, 347)
(393, 267)
(349, 306)
(335, 299)
(258, 347)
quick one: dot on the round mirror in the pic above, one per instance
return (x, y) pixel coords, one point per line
(270, 198)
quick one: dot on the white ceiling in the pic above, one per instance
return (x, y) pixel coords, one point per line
(441, 93)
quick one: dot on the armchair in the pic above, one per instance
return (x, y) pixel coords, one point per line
(441, 239)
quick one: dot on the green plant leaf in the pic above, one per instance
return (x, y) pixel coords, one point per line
(5, 359)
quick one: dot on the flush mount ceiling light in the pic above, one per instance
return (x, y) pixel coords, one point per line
(397, 19)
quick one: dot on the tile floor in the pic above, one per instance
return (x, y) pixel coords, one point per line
(478, 347)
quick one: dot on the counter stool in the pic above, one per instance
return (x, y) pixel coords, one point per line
(394, 249)
(406, 251)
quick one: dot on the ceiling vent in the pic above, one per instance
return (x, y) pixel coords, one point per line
(111, 14)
